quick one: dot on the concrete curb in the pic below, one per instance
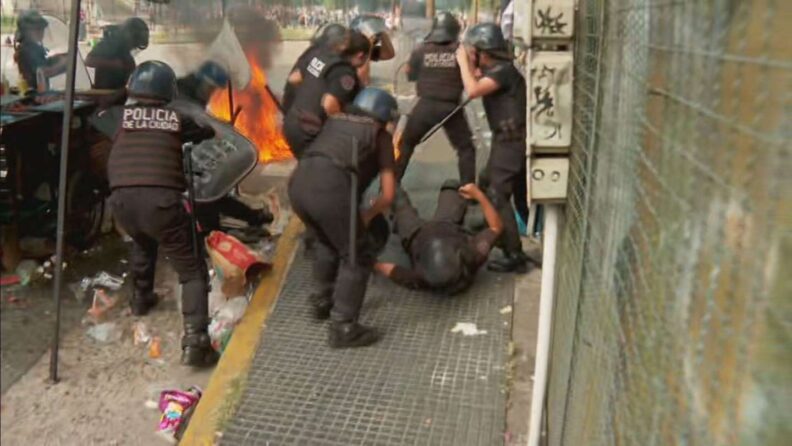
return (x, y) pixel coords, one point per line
(238, 356)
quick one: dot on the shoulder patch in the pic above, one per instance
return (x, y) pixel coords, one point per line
(316, 66)
(348, 82)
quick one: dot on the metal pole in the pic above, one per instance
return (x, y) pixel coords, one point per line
(353, 199)
(191, 199)
(68, 105)
(552, 227)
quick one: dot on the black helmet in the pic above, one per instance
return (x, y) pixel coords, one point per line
(377, 103)
(137, 31)
(440, 263)
(31, 19)
(445, 28)
(213, 74)
(488, 37)
(329, 35)
(378, 233)
(152, 80)
(369, 25)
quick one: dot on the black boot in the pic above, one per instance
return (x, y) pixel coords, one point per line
(197, 348)
(351, 334)
(142, 303)
(321, 304)
(511, 262)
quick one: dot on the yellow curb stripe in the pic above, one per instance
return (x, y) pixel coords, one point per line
(238, 355)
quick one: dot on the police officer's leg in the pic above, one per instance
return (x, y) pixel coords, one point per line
(143, 255)
(451, 207)
(502, 183)
(175, 239)
(461, 138)
(302, 195)
(406, 221)
(422, 119)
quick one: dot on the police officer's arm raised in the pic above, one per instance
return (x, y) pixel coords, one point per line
(472, 192)
(474, 88)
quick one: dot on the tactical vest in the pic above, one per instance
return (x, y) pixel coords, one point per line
(147, 149)
(308, 97)
(335, 142)
(438, 77)
(506, 108)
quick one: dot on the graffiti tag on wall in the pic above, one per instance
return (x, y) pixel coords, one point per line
(553, 18)
(551, 99)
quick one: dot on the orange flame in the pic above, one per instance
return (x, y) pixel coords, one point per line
(258, 116)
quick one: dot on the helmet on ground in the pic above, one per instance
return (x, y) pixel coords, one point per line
(138, 32)
(330, 35)
(369, 25)
(152, 80)
(378, 232)
(377, 103)
(31, 19)
(488, 37)
(440, 263)
(212, 73)
(445, 28)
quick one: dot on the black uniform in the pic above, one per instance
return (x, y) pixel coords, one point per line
(418, 236)
(30, 56)
(319, 192)
(326, 73)
(439, 87)
(505, 110)
(146, 175)
(113, 47)
(290, 90)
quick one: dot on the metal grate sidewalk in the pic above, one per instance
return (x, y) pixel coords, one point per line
(421, 384)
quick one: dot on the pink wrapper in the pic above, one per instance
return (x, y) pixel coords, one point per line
(173, 404)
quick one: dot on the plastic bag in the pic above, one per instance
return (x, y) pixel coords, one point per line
(224, 320)
(173, 404)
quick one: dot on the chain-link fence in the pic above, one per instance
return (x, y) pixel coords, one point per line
(674, 308)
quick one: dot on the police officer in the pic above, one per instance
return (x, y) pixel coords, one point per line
(320, 194)
(374, 28)
(444, 255)
(502, 89)
(30, 54)
(147, 180)
(329, 85)
(439, 86)
(112, 56)
(330, 38)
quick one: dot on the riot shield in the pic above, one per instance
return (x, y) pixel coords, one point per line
(219, 164)
(227, 52)
(56, 40)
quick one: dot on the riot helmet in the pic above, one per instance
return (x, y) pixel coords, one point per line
(31, 19)
(488, 37)
(152, 80)
(440, 263)
(213, 74)
(136, 32)
(331, 35)
(369, 25)
(445, 28)
(377, 103)
(378, 233)
(29, 22)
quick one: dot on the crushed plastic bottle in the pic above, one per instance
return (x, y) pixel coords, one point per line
(106, 332)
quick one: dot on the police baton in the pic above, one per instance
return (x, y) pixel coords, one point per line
(441, 123)
(191, 198)
(274, 99)
(353, 199)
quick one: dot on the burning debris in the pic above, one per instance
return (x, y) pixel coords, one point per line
(257, 117)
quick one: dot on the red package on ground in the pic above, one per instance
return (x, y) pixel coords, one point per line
(233, 261)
